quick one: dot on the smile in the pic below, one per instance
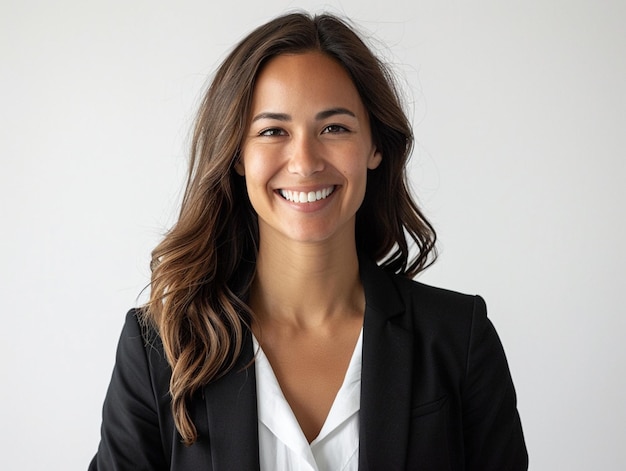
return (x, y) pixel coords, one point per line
(306, 197)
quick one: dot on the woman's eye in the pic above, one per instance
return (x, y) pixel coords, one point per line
(271, 132)
(334, 129)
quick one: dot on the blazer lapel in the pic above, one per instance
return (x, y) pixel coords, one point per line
(232, 416)
(386, 373)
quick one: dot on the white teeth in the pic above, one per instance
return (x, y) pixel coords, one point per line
(310, 197)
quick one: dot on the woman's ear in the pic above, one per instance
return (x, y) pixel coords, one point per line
(375, 159)
(239, 168)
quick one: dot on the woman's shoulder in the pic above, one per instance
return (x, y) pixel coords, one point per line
(391, 289)
(437, 315)
(140, 343)
(436, 306)
(428, 293)
(137, 327)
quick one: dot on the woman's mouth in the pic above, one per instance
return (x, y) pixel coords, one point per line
(306, 197)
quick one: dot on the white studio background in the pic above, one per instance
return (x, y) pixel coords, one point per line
(520, 114)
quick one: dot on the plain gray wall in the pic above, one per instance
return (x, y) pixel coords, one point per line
(520, 117)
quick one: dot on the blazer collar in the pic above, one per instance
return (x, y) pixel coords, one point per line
(386, 373)
(232, 415)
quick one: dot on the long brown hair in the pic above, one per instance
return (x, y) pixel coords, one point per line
(202, 270)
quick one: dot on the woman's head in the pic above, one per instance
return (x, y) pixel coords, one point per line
(307, 152)
(223, 120)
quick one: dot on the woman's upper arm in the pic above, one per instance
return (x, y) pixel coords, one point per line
(491, 425)
(130, 432)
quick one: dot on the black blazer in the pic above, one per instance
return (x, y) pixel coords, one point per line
(436, 393)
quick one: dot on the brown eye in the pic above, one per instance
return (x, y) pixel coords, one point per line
(334, 129)
(272, 132)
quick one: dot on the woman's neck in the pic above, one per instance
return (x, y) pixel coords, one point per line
(306, 285)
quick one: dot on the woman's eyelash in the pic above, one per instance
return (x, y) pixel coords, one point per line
(333, 128)
(271, 132)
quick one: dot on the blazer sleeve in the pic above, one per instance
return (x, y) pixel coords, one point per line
(492, 428)
(130, 432)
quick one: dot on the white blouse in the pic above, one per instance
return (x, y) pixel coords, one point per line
(282, 444)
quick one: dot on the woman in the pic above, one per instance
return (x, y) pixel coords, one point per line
(283, 329)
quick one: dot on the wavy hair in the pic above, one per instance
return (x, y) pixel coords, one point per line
(203, 268)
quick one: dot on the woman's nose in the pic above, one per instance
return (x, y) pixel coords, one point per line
(305, 158)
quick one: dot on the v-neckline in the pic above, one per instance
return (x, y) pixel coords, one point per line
(275, 413)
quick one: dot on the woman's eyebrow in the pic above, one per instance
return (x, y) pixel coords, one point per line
(332, 112)
(270, 115)
(318, 117)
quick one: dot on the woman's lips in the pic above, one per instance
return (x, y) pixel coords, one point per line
(306, 196)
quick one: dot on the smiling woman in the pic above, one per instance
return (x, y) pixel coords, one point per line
(284, 330)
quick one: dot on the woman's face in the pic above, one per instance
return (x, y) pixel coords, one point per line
(307, 150)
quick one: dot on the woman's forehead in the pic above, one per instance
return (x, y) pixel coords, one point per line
(311, 79)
